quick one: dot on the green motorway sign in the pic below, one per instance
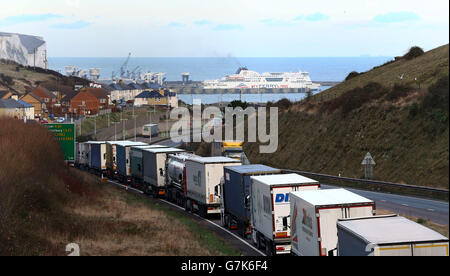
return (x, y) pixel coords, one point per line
(65, 134)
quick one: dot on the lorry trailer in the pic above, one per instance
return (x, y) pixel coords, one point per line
(136, 164)
(150, 130)
(314, 215)
(390, 235)
(82, 157)
(235, 201)
(203, 176)
(111, 157)
(270, 209)
(97, 156)
(123, 159)
(175, 174)
(154, 170)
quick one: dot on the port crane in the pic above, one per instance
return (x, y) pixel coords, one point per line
(124, 66)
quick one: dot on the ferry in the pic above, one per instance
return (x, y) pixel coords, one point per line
(246, 79)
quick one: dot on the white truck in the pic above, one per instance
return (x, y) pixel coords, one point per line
(203, 176)
(154, 169)
(270, 209)
(389, 235)
(82, 157)
(314, 215)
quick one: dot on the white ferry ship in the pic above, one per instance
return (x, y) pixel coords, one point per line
(246, 79)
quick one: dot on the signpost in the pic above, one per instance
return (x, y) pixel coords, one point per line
(368, 164)
(65, 134)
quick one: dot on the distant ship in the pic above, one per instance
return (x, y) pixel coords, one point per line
(246, 79)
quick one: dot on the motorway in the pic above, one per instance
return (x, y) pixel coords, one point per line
(432, 210)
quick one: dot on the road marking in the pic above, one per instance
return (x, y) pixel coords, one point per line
(181, 208)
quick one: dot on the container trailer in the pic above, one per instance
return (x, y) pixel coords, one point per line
(390, 235)
(314, 215)
(235, 209)
(175, 171)
(154, 170)
(136, 163)
(150, 130)
(82, 157)
(111, 156)
(270, 209)
(123, 159)
(97, 156)
(203, 176)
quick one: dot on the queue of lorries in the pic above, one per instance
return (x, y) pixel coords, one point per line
(281, 213)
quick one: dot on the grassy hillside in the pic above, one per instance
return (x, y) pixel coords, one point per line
(44, 206)
(19, 78)
(419, 72)
(404, 127)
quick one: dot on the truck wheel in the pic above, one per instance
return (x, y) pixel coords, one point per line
(203, 211)
(226, 221)
(269, 248)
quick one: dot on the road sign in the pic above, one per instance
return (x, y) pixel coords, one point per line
(65, 134)
(368, 164)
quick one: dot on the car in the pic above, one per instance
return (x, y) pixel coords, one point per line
(60, 120)
(43, 121)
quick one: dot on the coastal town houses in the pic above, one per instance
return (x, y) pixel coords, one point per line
(88, 101)
(39, 106)
(120, 92)
(161, 97)
(17, 109)
(7, 94)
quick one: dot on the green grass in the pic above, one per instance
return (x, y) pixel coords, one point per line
(206, 237)
(426, 68)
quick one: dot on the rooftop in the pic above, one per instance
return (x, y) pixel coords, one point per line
(331, 197)
(280, 179)
(389, 230)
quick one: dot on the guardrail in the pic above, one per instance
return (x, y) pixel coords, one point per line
(373, 182)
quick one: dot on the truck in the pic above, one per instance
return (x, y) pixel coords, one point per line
(123, 159)
(111, 152)
(270, 209)
(136, 164)
(389, 235)
(97, 156)
(314, 215)
(175, 171)
(82, 154)
(231, 149)
(154, 170)
(150, 130)
(202, 180)
(235, 203)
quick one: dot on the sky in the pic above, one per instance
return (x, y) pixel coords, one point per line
(229, 28)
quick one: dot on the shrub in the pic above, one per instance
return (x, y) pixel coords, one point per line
(413, 53)
(352, 75)
(437, 96)
(237, 103)
(399, 91)
(413, 110)
(357, 97)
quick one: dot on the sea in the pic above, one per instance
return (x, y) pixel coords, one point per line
(324, 69)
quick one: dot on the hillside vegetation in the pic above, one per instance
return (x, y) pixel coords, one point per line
(20, 78)
(45, 205)
(403, 125)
